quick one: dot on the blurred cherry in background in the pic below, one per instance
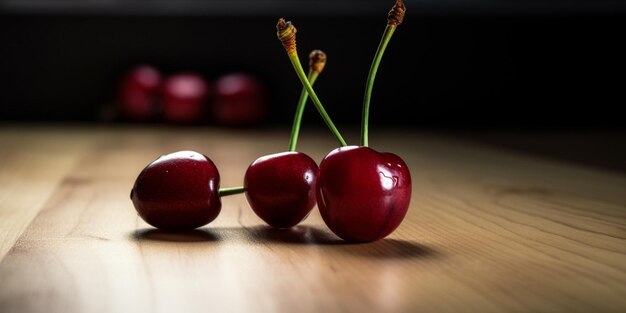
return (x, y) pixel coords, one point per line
(185, 96)
(138, 93)
(233, 99)
(240, 100)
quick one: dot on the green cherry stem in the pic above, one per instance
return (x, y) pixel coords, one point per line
(223, 192)
(287, 35)
(370, 83)
(295, 61)
(394, 18)
(317, 62)
(304, 96)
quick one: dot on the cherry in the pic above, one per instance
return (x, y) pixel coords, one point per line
(179, 191)
(185, 96)
(363, 195)
(138, 93)
(240, 100)
(280, 187)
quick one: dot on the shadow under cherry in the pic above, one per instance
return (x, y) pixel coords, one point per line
(386, 248)
(302, 235)
(195, 235)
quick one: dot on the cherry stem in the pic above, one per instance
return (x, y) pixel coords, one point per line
(295, 61)
(223, 192)
(370, 82)
(297, 120)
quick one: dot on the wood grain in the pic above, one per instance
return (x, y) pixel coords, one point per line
(30, 169)
(487, 231)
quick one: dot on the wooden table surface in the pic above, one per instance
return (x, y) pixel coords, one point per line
(487, 231)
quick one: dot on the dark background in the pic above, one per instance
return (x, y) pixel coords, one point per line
(488, 65)
(454, 63)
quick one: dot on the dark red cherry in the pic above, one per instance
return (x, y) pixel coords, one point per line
(185, 96)
(178, 191)
(363, 195)
(138, 93)
(240, 100)
(280, 188)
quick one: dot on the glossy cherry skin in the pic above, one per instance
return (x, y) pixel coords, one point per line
(178, 191)
(280, 188)
(362, 194)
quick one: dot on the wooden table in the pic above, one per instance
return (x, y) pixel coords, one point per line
(487, 231)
